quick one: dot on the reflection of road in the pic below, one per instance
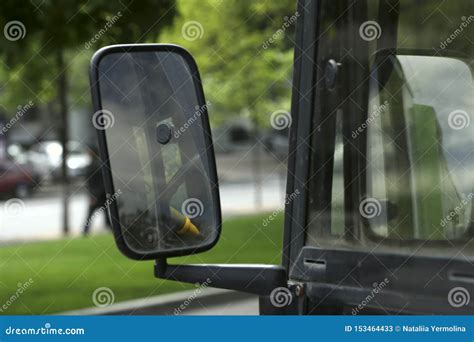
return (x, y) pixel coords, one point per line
(40, 218)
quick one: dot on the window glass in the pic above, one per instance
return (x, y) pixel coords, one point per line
(401, 121)
(419, 148)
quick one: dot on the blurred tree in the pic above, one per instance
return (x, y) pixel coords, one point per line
(39, 34)
(243, 72)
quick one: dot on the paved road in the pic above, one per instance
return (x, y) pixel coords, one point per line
(236, 308)
(207, 301)
(40, 217)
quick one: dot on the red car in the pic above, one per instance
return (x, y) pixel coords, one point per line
(15, 179)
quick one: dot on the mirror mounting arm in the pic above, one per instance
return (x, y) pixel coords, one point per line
(255, 279)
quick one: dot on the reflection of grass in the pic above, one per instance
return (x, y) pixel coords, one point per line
(65, 273)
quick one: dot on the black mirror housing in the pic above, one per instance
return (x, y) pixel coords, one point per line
(156, 150)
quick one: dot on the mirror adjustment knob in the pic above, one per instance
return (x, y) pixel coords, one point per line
(163, 133)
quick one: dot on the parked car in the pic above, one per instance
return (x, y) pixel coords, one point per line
(233, 136)
(77, 163)
(17, 152)
(276, 142)
(46, 159)
(16, 180)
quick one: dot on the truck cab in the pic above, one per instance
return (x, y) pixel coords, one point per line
(379, 213)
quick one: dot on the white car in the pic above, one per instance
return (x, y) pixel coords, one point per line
(46, 159)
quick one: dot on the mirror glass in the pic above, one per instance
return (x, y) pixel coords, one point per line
(157, 134)
(420, 139)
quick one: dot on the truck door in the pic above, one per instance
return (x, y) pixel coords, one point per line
(382, 153)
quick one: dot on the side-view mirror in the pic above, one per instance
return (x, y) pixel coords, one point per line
(159, 167)
(156, 150)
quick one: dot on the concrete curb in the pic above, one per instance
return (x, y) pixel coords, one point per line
(178, 303)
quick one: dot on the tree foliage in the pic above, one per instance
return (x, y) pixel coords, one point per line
(243, 73)
(28, 67)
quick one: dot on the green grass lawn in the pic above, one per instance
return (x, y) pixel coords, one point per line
(66, 272)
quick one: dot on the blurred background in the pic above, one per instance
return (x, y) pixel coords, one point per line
(244, 50)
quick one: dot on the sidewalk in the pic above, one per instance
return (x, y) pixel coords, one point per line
(208, 301)
(40, 217)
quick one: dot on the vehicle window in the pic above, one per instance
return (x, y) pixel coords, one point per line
(412, 143)
(419, 164)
